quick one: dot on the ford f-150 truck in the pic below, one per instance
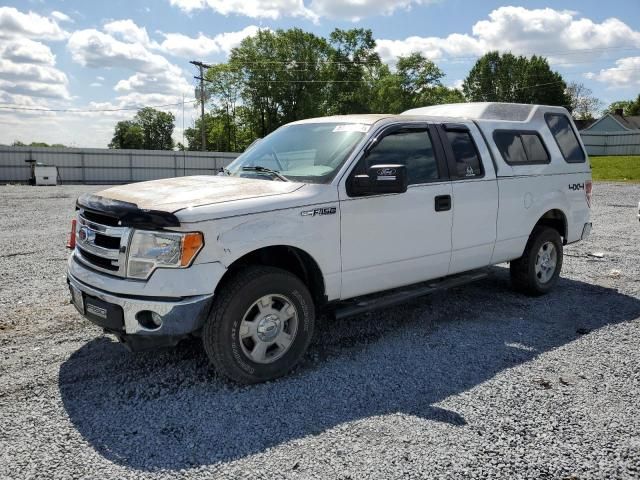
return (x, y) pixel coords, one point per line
(339, 214)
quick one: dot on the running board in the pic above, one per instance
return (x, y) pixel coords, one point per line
(375, 301)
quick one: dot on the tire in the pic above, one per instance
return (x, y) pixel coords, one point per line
(260, 325)
(535, 273)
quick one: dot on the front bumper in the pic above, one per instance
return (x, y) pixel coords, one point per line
(122, 314)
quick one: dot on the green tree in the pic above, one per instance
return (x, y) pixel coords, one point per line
(417, 75)
(440, 94)
(284, 77)
(353, 64)
(276, 77)
(157, 128)
(127, 135)
(18, 143)
(505, 77)
(224, 86)
(217, 126)
(629, 107)
(150, 129)
(415, 83)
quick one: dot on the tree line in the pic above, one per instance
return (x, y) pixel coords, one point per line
(276, 77)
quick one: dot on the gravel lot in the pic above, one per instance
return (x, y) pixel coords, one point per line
(476, 382)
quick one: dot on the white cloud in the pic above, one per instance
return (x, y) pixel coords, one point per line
(457, 84)
(27, 51)
(128, 31)
(202, 46)
(170, 82)
(626, 73)
(250, 8)
(25, 71)
(14, 23)
(32, 88)
(432, 47)
(61, 17)
(558, 34)
(95, 49)
(354, 10)
(27, 66)
(29, 78)
(547, 30)
(152, 73)
(229, 40)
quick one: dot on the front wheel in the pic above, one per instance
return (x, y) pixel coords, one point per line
(537, 271)
(260, 326)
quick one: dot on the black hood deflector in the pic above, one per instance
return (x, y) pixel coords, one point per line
(127, 214)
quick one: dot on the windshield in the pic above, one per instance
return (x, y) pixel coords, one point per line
(308, 152)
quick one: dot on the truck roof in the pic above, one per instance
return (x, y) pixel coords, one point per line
(491, 111)
(507, 112)
(371, 118)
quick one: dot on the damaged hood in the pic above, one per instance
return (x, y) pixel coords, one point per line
(173, 194)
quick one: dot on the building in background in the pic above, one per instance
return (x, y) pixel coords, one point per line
(613, 134)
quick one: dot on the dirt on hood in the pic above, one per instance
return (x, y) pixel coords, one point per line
(173, 194)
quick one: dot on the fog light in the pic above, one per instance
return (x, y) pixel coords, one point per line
(149, 320)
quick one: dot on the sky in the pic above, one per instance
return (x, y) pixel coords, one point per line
(85, 57)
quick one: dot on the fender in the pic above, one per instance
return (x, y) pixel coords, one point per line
(230, 239)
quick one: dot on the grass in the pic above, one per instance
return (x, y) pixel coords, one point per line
(620, 169)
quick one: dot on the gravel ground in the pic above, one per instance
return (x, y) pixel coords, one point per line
(476, 382)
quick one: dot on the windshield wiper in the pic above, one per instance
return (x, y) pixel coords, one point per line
(258, 168)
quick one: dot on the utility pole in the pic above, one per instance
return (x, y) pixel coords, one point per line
(202, 66)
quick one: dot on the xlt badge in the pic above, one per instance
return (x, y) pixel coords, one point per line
(318, 211)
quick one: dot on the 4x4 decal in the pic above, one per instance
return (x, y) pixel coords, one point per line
(576, 186)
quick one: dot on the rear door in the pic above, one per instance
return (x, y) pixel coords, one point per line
(475, 196)
(398, 239)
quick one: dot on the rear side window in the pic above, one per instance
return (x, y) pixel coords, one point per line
(565, 137)
(534, 148)
(410, 147)
(521, 148)
(465, 153)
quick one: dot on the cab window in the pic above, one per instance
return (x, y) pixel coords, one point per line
(410, 147)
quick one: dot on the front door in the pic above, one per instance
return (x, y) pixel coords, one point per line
(397, 239)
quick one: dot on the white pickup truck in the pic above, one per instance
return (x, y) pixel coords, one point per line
(338, 214)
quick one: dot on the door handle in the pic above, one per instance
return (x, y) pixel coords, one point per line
(443, 203)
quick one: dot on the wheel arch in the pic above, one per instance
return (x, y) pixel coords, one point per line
(287, 257)
(555, 218)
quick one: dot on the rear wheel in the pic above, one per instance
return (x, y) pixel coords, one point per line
(260, 325)
(538, 270)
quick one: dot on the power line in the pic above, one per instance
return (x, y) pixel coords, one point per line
(294, 81)
(74, 110)
(450, 57)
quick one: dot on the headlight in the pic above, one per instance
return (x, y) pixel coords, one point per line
(151, 250)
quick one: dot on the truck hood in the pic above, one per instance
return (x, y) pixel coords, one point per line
(173, 194)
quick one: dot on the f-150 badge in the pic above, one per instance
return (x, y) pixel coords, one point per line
(318, 211)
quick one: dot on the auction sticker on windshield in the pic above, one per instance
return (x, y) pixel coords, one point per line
(352, 127)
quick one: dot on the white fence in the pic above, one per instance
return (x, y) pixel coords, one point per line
(618, 143)
(103, 166)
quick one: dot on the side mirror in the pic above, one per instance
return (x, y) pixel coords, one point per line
(380, 179)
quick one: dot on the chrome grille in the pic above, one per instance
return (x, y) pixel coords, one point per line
(102, 247)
